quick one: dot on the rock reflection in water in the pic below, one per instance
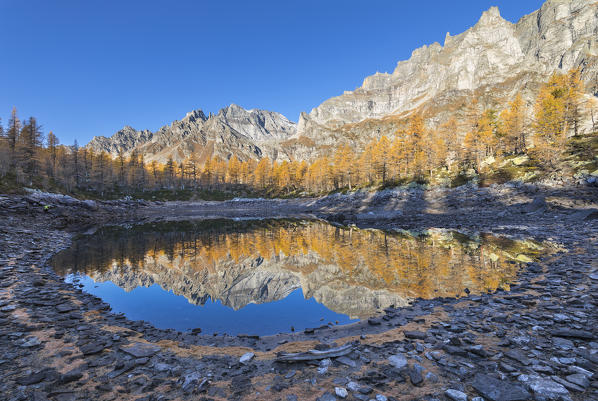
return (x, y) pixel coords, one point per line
(350, 271)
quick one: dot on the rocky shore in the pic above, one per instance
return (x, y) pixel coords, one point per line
(538, 341)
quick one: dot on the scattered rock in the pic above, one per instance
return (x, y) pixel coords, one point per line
(456, 395)
(545, 388)
(246, 357)
(341, 392)
(499, 390)
(141, 350)
(398, 361)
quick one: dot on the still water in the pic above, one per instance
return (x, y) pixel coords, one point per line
(269, 276)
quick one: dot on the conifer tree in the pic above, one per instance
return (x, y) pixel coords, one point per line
(12, 136)
(52, 143)
(30, 140)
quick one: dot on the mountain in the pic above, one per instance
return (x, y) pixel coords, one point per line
(492, 61)
(233, 131)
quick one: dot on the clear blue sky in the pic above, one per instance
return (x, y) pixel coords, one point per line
(89, 67)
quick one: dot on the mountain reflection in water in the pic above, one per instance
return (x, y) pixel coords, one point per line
(350, 271)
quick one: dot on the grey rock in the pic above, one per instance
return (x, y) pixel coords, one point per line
(544, 387)
(246, 357)
(341, 392)
(499, 390)
(141, 350)
(398, 361)
(346, 361)
(326, 397)
(190, 380)
(572, 333)
(31, 342)
(579, 379)
(456, 395)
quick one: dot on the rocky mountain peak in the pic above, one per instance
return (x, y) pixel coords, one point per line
(195, 115)
(493, 60)
(490, 16)
(494, 57)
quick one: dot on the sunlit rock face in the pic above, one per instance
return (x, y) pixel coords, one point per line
(247, 134)
(350, 271)
(491, 61)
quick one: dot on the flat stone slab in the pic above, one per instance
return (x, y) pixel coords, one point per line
(245, 358)
(571, 333)
(92, 348)
(66, 307)
(498, 390)
(415, 335)
(141, 350)
(545, 388)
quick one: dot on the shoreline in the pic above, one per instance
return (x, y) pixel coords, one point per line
(439, 338)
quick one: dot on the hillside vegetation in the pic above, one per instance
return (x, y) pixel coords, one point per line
(498, 146)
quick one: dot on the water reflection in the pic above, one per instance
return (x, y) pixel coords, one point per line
(350, 271)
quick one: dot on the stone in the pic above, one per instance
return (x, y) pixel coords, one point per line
(33, 378)
(246, 357)
(456, 395)
(31, 342)
(65, 307)
(571, 333)
(579, 379)
(190, 380)
(341, 392)
(499, 390)
(518, 356)
(416, 377)
(415, 335)
(326, 397)
(346, 361)
(543, 387)
(431, 377)
(71, 376)
(398, 361)
(141, 350)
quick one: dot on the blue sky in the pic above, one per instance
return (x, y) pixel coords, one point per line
(89, 67)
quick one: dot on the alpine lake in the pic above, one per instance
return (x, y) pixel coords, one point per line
(263, 277)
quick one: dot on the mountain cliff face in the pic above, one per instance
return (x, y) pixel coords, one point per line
(492, 61)
(233, 131)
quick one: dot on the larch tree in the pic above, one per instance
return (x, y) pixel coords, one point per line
(513, 127)
(550, 120)
(381, 159)
(234, 170)
(416, 136)
(262, 173)
(448, 132)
